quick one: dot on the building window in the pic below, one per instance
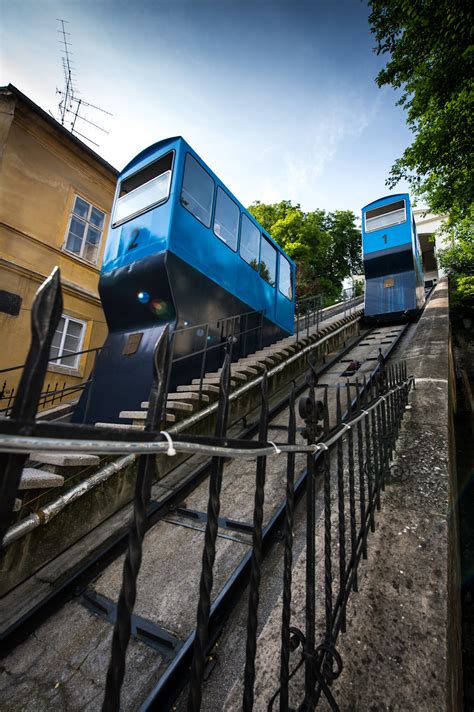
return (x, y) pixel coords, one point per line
(67, 340)
(85, 230)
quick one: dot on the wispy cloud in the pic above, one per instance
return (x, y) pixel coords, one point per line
(301, 158)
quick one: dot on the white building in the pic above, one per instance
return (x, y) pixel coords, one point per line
(427, 224)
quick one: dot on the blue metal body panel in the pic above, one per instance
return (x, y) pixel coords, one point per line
(385, 238)
(394, 300)
(393, 265)
(171, 227)
(189, 277)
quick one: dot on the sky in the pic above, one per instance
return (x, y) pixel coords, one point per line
(277, 96)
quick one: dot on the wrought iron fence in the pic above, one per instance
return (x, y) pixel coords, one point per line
(351, 454)
(53, 394)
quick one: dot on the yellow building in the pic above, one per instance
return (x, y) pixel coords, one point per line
(55, 200)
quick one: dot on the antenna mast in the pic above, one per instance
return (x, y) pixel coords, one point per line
(70, 104)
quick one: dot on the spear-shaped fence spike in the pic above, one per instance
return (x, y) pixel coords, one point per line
(45, 315)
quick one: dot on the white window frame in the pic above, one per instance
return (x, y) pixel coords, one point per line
(72, 214)
(368, 221)
(57, 360)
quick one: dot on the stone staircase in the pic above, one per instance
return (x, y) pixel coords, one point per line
(47, 470)
(187, 400)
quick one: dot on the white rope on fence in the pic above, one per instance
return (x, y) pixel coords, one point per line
(26, 444)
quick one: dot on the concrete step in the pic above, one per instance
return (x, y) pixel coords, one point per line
(244, 373)
(236, 375)
(32, 478)
(65, 459)
(120, 425)
(253, 363)
(184, 395)
(270, 350)
(133, 414)
(206, 388)
(171, 405)
(138, 417)
(212, 380)
(247, 370)
(261, 362)
(176, 405)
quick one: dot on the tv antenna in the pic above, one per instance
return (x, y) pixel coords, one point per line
(70, 105)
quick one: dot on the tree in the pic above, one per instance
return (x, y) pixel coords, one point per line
(325, 246)
(431, 61)
(458, 262)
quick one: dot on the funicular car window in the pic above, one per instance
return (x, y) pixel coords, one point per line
(284, 278)
(384, 216)
(226, 219)
(267, 262)
(197, 193)
(249, 242)
(145, 189)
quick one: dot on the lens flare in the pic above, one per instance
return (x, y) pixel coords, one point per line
(143, 297)
(158, 307)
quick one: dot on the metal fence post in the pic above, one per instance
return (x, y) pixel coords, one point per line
(208, 556)
(311, 412)
(133, 557)
(288, 557)
(257, 557)
(341, 509)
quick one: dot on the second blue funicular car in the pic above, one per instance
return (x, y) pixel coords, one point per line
(394, 281)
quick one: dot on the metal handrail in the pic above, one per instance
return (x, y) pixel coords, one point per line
(55, 358)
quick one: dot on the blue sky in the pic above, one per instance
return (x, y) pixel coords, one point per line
(278, 97)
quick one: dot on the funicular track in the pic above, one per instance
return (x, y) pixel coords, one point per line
(180, 511)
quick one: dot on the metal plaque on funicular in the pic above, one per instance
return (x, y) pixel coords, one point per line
(132, 343)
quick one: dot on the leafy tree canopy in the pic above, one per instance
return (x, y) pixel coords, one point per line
(325, 246)
(430, 44)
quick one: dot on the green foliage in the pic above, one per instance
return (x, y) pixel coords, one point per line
(431, 61)
(457, 258)
(325, 246)
(358, 288)
(458, 262)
